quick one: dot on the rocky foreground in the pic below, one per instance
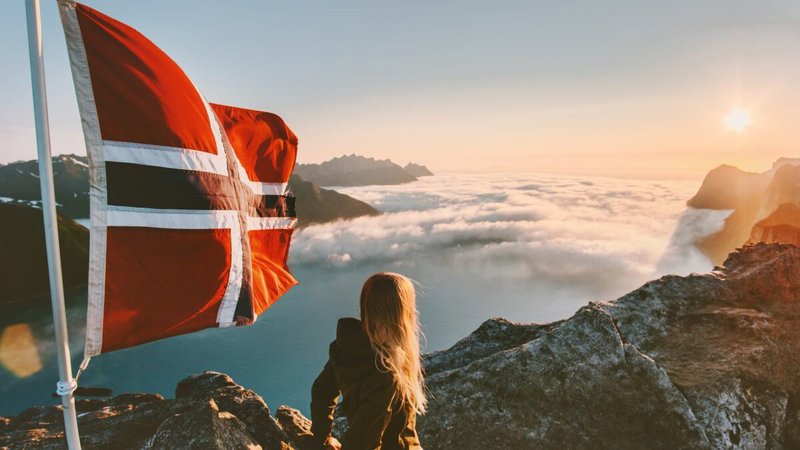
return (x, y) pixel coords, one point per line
(703, 361)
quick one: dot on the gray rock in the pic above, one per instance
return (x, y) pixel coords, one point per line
(126, 421)
(295, 424)
(704, 361)
(579, 384)
(248, 406)
(297, 427)
(202, 426)
(210, 411)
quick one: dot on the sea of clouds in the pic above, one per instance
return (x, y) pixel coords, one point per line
(530, 248)
(609, 234)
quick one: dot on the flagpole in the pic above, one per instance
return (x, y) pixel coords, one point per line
(66, 384)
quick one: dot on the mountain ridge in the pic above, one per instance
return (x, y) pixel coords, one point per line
(22, 255)
(355, 170)
(19, 185)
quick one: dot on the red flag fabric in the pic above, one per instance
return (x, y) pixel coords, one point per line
(190, 219)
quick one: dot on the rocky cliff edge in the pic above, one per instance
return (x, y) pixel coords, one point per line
(703, 361)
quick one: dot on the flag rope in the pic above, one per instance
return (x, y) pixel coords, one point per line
(82, 367)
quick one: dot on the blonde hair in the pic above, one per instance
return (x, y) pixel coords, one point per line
(389, 315)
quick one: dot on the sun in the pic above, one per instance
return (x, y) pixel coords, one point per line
(737, 120)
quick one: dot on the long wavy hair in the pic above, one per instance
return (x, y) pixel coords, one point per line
(390, 319)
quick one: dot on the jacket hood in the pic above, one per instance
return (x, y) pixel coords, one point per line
(352, 352)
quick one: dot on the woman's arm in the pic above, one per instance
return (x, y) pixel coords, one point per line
(324, 395)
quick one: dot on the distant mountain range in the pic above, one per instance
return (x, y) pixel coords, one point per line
(22, 252)
(766, 206)
(19, 185)
(354, 170)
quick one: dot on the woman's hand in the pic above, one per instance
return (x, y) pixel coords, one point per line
(332, 444)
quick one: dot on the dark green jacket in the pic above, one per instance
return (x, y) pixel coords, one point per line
(369, 397)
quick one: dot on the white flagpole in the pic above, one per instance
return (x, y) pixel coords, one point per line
(66, 384)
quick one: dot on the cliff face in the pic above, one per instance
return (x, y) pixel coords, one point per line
(23, 258)
(703, 361)
(753, 197)
(783, 225)
(318, 205)
(727, 187)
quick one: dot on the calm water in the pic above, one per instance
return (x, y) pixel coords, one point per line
(526, 247)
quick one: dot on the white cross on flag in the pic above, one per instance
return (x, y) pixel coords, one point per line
(190, 220)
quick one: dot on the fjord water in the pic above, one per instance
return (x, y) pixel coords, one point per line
(530, 248)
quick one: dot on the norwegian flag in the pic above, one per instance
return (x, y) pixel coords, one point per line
(190, 220)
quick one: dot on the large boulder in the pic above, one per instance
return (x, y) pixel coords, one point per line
(202, 427)
(579, 385)
(245, 404)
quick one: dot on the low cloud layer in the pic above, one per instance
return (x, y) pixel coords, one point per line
(681, 256)
(554, 225)
(528, 248)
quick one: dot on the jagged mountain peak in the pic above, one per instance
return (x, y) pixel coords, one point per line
(417, 170)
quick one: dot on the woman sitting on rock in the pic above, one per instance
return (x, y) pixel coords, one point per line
(375, 364)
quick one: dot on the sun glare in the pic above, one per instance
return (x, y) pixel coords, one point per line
(737, 120)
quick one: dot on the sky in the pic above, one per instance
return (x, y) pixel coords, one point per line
(616, 88)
